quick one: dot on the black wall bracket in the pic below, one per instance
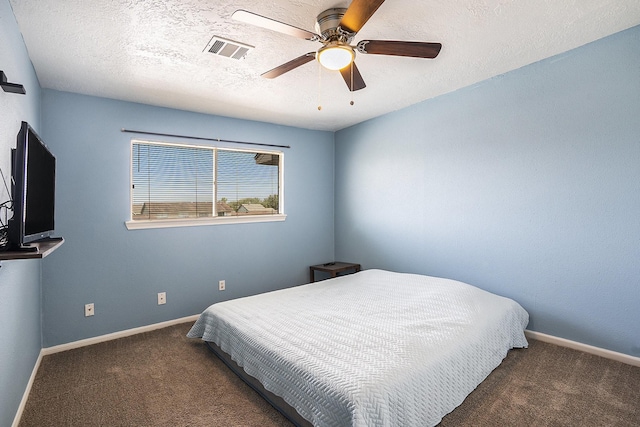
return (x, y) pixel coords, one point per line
(10, 87)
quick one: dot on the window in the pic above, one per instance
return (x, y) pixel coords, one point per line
(180, 185)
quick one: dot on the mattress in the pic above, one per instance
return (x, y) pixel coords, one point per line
(374, 348)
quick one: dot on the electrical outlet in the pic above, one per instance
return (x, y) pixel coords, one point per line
(88, 310)
(221, 285)
(162, 298)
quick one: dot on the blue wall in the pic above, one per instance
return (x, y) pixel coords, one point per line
(121, 271)
(527, 185)
(20, 330)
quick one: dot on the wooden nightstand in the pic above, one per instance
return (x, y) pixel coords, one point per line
(333, 268)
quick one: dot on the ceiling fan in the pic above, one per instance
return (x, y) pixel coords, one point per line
(337, 27)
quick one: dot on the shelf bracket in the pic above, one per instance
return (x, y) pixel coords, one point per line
(10, 87)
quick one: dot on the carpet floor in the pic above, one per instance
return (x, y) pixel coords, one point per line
(162, 378)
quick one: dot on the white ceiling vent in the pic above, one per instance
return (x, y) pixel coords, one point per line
(229, 48)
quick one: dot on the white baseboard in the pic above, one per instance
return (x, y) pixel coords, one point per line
(116, 335)
(613, 355)
(25, 395)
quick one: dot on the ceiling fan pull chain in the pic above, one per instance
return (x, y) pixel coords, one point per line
(319, 85)
(351, 103)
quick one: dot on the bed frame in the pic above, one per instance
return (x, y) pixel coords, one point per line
(276, 401)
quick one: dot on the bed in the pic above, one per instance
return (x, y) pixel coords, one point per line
(374, 348)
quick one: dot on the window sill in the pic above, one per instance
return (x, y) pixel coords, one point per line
(168, 223)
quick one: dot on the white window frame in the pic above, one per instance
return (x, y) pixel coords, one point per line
(215, 220)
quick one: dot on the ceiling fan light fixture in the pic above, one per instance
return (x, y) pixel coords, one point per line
(335, 56)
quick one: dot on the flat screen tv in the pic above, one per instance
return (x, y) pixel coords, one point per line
(34, 182)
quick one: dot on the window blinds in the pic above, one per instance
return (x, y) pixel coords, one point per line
(173, 181)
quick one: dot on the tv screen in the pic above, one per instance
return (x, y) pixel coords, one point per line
(34, 177)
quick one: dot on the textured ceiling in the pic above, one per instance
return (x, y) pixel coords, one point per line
(152, 51)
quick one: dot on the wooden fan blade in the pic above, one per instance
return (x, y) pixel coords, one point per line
(400, 48)
(358, 82)
(272, 24)
(294, 63)
(358, 14)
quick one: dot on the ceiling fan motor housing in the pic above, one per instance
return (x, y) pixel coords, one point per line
(328, 26)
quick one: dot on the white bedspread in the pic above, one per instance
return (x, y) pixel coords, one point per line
(374, 348)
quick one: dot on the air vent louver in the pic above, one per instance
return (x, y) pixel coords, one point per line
(228, 48)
